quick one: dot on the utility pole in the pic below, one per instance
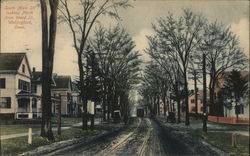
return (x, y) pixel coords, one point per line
(204, 95)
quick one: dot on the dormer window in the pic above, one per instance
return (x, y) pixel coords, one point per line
(23, 68)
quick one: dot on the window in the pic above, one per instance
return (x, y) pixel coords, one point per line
(23, 85)
(201, 109)
(5, 102)
(34, 103)
(239, 109)
(23, 103)
(33, 88)
(23, 68)
(2, 82)
(192, 100)
(201, 100)
(23, 115)
(193, 109)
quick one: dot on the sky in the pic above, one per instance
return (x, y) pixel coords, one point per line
(136, 20)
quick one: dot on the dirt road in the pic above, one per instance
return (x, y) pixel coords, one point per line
(143, 137)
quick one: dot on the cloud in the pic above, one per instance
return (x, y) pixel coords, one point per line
(141, 42)
(241, 29)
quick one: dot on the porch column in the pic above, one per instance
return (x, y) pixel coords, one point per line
(30, 106)
(37, 104)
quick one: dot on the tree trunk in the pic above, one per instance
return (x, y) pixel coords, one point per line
(236, 108)
(186, 97)
(179, 110)
(195, 95)
(204, 95)
(178, 103)
(158, 105)
(168, 105)
(211, 99)
(104, 99)
(82, 90)
(164, 102)
(48, 48)
(155, 106)
(109, 102)
(211, 89)
(104, 107)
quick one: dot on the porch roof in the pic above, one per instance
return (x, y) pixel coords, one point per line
(25, 94)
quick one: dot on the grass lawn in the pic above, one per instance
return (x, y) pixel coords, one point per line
(19, 145)
(194, 120)
(69, 120)
(23, 128)
(15, 129)
(232, 127)
(222, 141)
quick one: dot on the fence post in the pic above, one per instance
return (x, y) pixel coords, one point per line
(234, 141)
(30, 136)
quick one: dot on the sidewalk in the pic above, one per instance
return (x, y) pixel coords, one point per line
(212, 127)
(4, 137)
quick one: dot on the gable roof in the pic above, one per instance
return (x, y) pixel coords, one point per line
(62, 82)
(11, 61)
(37, 78)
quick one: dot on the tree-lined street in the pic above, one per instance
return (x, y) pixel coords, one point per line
(144, 136)
(182, 88)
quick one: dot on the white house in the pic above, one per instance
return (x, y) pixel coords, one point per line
(21, 90)
(243, 108)
(15, 79)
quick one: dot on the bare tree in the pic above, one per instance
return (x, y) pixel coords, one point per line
(171, 70)
(119, 67)
(48, 49)
(179, 39)
(223, 53)
(195, 74)
(80, 26)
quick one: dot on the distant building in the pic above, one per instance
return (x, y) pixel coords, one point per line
(63, 88)
(191, 103)
(76, 100)
(36, 88)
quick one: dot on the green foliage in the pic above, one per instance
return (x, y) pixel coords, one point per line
(236, 84)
